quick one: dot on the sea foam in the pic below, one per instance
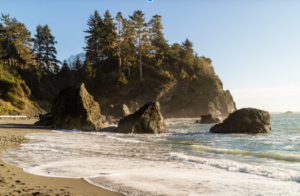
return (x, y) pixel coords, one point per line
(156, 164)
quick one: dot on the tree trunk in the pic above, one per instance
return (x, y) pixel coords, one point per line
(141, 76)
(119, 49)
(119, 63)
(128, 67)
(8, 51)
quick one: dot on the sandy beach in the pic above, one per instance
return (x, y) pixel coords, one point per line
(13, 181)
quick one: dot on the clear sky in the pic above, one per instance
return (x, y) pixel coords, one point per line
(254, 44)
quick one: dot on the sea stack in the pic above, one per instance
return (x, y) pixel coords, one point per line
(246, 120)
(288, 112)
(147, 119)
(75, 108)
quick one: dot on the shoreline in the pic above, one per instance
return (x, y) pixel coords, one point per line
(15, 181)
(135, 176)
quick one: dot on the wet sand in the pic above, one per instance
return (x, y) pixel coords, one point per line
(13, 181)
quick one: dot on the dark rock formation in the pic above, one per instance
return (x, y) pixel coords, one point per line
(45, 120)
(208, 119)
(288, 112)
(75, 108)
(182, 101)
(147, 119)
(246, 120)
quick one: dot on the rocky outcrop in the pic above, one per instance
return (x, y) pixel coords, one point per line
(75, 108)
(288, 112)
(147, 119)
(45, 120)
(208, 119)
(246, 120)
(182, 101)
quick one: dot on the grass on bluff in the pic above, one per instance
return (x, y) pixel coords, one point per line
(13, 91)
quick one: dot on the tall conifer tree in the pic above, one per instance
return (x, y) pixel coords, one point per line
(128, 43)
(16, 41)
(142, 35)
(120, 39)
(157, 39)
(187, 53)
(109, 36)
(49, 53)
(38, 46)
(94, 44)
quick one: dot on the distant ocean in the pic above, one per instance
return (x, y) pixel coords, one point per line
(185, 149)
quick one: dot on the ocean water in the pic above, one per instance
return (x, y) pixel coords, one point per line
(129, 163)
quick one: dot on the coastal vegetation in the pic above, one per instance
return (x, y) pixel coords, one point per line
(124, 59)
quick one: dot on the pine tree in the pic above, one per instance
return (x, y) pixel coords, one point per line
(187, 52)
(44, 49)
(93, 40)
(65, 67)
(38, 46)
(120, 39)
(142, 35)
(2, 43)
(16, 39)
(157, 39)
(109, 37)
(22, 44)
(128, 43)
(49, 51)
(6, 34)
(77, 63)
(88, 71)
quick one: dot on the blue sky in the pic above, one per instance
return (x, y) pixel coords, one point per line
(254, 44)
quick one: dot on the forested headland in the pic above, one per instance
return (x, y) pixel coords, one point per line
(125, 59)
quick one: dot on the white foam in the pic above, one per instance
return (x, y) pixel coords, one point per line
(270, 172)
(115, 162)
(124, 140)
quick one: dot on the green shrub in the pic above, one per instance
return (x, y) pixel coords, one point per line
(12, 86)
(26, 89)
(9, 97)
(19, 104)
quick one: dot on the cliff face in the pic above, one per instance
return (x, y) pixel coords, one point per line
(180, 101)
(186, 99)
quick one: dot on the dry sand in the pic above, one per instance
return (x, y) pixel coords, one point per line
(13, 181)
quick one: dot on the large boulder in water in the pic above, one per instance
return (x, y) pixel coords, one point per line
(147, 119)
(246, 120)
(208, 119)
(75, 108)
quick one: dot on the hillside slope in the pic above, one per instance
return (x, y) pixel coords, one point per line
(15, 95)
